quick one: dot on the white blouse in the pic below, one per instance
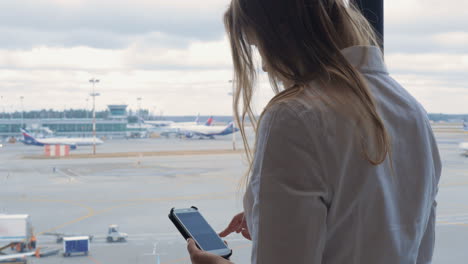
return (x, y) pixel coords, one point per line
(313, 198)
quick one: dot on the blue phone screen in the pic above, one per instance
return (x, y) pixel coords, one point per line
(201, 231)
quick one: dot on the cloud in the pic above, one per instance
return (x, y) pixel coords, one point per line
(406, 42)
(436, 95)
(425, 16)
(429, 63)
(175, 55)
(139, 55)
(174, 92)
(105, 23)
(423, 26)
(453, 40)
(437, 80)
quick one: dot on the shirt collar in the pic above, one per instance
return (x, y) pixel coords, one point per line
(365, 58)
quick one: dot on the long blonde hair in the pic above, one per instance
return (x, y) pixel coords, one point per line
(300, 41)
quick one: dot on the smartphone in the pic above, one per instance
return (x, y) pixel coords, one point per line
(191, 224)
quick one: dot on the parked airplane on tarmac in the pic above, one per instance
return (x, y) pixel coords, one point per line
(158, 123)
(180, 128)
(207, 131)
(72, 142)
(172, 124)
(184, 125)
(464, 146)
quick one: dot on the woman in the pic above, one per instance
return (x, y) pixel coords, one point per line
(346, 167)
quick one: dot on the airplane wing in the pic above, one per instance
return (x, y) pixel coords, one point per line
(17, 256)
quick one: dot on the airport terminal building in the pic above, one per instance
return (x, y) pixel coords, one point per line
(115, 125)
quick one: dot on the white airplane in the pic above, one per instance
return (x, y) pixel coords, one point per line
(159, 123)
(179, 128)
(207, 131)
(72, 142)
(464, 146)
(172, 124)
(184, 125)
(18, 256)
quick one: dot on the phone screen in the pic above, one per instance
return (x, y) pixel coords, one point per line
(201, 231)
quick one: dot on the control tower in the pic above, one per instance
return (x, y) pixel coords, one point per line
(117, 111)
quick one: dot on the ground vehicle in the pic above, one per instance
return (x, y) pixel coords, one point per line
(113, 234)
(59, 236)
(16, 230)
(75, 245)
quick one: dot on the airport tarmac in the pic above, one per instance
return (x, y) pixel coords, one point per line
(84, 196)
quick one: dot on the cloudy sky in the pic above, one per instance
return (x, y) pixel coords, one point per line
(175, 56)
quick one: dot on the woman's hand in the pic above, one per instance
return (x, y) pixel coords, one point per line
(238, 225)
(199, 256)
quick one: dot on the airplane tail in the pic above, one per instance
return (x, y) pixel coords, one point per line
(230, 129)
(465, 126)
(28, 139)
(209, 121)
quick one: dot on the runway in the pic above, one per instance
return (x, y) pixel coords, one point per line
(84, 196)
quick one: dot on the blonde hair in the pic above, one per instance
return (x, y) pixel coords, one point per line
(300, 41)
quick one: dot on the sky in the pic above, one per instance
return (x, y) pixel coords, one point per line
(175, 55)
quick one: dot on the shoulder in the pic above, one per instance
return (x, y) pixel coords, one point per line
(280, 116)
(305, 109)
(292, 120)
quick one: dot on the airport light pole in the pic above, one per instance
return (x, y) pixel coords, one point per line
(94, 94)
(86, 108)
(22, 111)
(3, 113)
(139, 114)
(233, 121)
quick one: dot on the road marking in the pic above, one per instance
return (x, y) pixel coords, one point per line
(94, 260)
(92, 212)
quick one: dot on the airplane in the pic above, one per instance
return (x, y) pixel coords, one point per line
(208, 131)
(159, 123)
(179, 127)
(184, 125)
(172, 124)
(196, 122)
(464, 148)
(18, 256)
(72, 142)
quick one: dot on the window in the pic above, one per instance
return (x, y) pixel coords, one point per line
(128, 89)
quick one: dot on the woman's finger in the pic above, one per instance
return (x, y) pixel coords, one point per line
(226, 232)
(241, 226)
(232, 227)
(246, 234)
